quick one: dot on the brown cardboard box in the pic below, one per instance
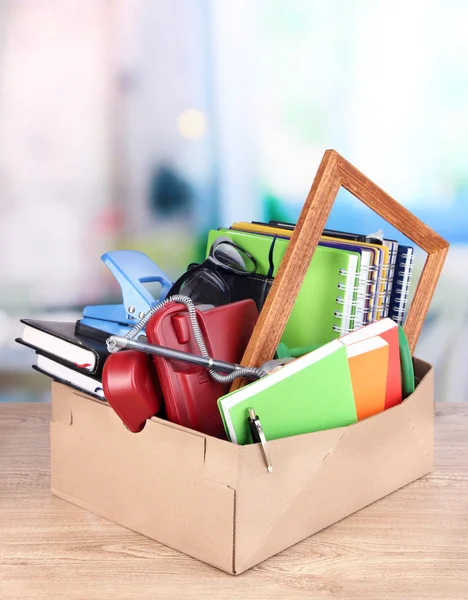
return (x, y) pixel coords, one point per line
(215, 500)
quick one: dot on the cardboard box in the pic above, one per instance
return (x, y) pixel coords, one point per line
(215, 500)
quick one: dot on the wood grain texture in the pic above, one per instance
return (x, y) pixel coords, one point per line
(423, 296)
(287, 283)
(410, 545)
(402, 219)
(384, 205)
(334, 171)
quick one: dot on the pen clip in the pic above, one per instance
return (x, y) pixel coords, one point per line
(261, 438)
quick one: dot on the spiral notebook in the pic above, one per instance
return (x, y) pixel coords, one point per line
(370, 288)
(392, 246)
(325, 303)
(401, 284)
(352, 304)
(367, 283)
(380, 272)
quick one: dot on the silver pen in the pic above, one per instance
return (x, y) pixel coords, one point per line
(258, 436)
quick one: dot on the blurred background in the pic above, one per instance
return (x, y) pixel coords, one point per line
(144, 123)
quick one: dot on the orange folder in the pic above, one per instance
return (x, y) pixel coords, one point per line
(368, 365)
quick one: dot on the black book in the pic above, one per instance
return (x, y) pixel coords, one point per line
(91, 332)
(59, 341)
(79, 380)
(100, 334)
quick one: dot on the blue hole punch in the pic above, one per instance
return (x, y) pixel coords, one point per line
(131, 269)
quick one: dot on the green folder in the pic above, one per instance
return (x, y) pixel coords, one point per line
(310, 394)
(313, 320)
(406, 364)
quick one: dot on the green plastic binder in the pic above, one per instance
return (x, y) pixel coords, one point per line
(310, 394)
(315, 317)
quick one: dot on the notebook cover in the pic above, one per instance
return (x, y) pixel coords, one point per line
(388, 331)
(392, 246)
(369, 376)
(100, 334)
(68, 383)
(72, 366)
(66, 332)
(284, 403)
(401, 284)
(381, 251)
(348, 242)
(312, 318)
(91, 332)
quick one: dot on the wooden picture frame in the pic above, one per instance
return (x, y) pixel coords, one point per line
(335, 172)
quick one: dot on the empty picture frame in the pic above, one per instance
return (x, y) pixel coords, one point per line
(335, 172)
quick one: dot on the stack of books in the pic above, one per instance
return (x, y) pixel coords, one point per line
(67, 355)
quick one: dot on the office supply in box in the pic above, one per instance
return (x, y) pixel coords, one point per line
(406, 364)
(370, 240)
(215, 500)
(228, 274)
(313, 319)
(368, 365)
(388, 331)
(80, 381)
(367, 303)
(132, 388)
(312, 393)
(190, 394)
(360, 307)
(402, 279)
(59, 341)
(392, 246)
(329, 387)
(258, 437)
(129, 382)
(131, 269)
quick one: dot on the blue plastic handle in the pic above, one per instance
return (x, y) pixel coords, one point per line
(131, 269)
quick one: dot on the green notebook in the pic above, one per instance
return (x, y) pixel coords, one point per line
(312, 393)
(315, 318)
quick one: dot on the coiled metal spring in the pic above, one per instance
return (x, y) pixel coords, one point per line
(248, 372)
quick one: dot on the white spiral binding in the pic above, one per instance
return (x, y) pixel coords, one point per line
(371, 274)
(374, 298)
(398, 314)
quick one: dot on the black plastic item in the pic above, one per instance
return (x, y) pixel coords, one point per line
(227, 275)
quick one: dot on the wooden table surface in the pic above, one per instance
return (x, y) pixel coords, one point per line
(411, 544)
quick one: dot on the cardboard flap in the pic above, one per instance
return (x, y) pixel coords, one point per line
(152, 482)
(222, 461)
(61, 405)
(313, 486)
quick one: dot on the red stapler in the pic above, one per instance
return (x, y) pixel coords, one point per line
(190, 394)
